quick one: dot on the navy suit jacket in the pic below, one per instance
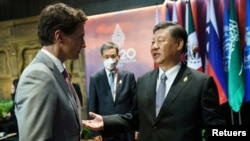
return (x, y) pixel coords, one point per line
(100, 96)
(191, 104)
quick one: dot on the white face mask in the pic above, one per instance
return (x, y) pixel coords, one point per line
(110, 63)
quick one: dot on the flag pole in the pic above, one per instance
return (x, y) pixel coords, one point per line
(240, 122)
(232, 117)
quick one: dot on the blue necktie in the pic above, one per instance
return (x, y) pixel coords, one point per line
(111, 81)
(160, 94)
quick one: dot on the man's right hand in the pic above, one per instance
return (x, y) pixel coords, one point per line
(95, 124)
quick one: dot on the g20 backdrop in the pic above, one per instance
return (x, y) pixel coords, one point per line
(132, 30)
(218, 44)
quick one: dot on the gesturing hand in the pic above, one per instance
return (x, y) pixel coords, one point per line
(96, 123)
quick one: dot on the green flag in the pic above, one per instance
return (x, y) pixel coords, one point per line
(193, 55)
(235, 73)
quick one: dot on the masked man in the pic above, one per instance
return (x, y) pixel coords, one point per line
(111, 91)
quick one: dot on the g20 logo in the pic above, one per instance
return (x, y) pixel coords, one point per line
(127, 54)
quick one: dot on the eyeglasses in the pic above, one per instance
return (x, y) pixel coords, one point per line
(113, 56)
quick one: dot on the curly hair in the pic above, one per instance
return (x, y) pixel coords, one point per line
(58, 16)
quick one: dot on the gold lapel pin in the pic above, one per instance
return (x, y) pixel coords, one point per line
(185, 79)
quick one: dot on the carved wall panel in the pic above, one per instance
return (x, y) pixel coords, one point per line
(3, 63)
(4, 74)
(18, 46)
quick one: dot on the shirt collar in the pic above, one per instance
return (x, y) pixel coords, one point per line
(57, 62)
(171, 73)
(108, 72)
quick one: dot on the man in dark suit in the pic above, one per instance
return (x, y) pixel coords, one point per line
(46, 108)
(111, 95)
(77, 89)
(190, 101)
(78, 92)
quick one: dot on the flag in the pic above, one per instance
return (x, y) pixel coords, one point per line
(235, 66)
(167, 13)
(174, 13)
(247, 54)
(193, 56)
(226, 38)
(226, 41)
(214, 53)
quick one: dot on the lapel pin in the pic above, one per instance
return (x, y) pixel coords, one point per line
(185, 79)
(120, 81)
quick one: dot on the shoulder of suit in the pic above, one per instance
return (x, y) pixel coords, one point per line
(98, 73)
(122, 71)
(149, 73)
(197, 73)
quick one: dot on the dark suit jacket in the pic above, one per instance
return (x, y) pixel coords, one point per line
(45, 108)
(78, 92)
(100, 97)
(191, 103)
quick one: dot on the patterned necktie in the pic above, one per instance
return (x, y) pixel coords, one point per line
(160, 95)
(73, 92)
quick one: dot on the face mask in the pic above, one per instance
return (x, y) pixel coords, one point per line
(110, 63)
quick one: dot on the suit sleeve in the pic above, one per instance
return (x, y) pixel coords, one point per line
(92, 102)
(211, 111)
(124, 122)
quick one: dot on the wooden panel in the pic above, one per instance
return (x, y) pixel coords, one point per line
(5, 88)
(18, 46)
(4, 75)
(3, 64)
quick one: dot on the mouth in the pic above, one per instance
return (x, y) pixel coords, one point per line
(156, 54)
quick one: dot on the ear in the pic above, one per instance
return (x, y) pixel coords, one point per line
(58, 36)
(180, 44)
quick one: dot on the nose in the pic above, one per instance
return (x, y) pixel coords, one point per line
(154, 45)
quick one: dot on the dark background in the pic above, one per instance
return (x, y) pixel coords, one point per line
(17, 9)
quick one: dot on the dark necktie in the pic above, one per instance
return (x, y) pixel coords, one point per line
(72, 90)
(160, 94)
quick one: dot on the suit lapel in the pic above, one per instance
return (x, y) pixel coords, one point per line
(46, 60)
(107, 88)
(151, 91)
(119, 82)
(182, 78)
(60, 79)
(67, 91)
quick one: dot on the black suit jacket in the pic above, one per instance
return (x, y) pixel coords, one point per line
(191, 104)
(78, 92)
(100, 97)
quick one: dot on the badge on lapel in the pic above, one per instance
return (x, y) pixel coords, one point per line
(185, 79)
